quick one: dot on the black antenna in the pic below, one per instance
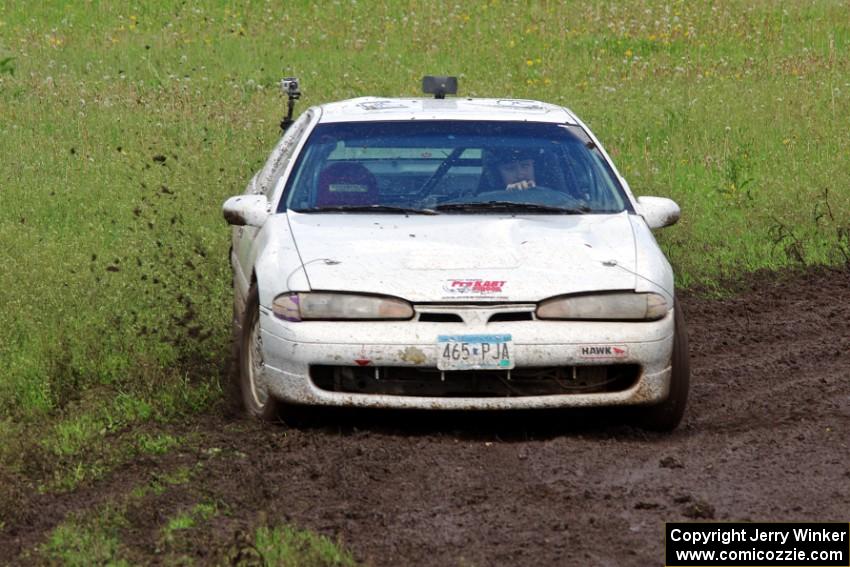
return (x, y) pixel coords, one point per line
(290, 88)
(439, 86)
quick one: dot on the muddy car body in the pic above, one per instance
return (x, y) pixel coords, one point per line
(373, 267)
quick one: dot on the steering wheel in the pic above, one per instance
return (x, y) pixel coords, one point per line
(540, 195)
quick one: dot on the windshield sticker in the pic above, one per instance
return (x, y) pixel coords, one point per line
(473, 287)
(603, 351)
(347, 188)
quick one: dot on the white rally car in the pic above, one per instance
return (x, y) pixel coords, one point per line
(452, 253)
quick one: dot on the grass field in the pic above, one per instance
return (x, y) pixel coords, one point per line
(123, 127)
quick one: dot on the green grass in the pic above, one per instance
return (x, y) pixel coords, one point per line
(94, 537)
(81, 540)
(93, 436)
(157, 444)
(187, 520)
(290, 547)
(161, 483)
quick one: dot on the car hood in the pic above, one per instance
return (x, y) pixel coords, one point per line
(450, 257)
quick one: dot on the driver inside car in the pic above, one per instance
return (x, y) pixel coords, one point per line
(516, 169)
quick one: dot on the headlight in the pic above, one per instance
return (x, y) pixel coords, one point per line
(345, 306)
(612, 306)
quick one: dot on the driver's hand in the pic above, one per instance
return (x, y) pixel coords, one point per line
(521, 185)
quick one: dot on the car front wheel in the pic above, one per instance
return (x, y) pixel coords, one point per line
(667, 415)
(256, 398)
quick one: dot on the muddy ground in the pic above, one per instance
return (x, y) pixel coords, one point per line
(765, 438)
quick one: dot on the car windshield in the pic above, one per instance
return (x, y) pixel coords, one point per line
(473, 167)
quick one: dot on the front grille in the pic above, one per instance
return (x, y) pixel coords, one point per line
(475, 314)
(440, 318)
(411, 381)
(511, 316)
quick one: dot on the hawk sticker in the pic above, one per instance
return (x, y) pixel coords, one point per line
(603, 351)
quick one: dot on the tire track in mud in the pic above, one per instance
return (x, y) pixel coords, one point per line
(765, 438)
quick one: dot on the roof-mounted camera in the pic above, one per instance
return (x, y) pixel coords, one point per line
(439, 86)
(292, 90)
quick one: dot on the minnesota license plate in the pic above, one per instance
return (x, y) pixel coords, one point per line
(474, 352)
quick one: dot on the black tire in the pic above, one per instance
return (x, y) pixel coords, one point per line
(667, 415)
(256, 401)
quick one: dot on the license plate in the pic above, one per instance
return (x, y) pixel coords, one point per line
(474, 352)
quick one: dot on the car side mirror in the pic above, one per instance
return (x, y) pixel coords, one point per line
(659, 212)
(247, 210)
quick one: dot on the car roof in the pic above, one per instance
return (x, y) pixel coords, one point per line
(366, 109)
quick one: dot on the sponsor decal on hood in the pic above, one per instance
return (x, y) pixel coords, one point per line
(467, 287)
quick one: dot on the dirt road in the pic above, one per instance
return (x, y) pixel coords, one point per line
(765, 438)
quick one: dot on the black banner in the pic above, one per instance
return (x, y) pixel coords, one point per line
(767, 544)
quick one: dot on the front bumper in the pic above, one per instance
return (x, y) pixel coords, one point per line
(290, 349)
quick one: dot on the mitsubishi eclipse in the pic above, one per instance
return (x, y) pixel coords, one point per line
(451, 253)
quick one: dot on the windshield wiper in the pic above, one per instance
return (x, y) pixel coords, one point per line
(510, 206)
(367, 209)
